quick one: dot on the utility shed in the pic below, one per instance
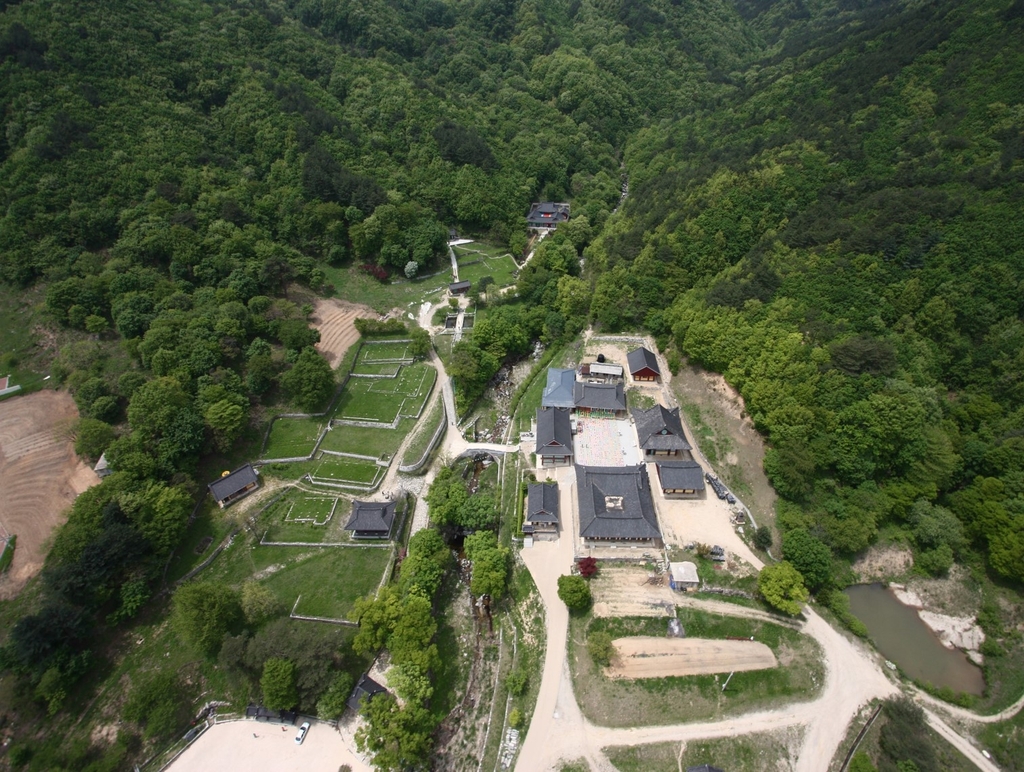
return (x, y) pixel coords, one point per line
(643, 365)
(605, 370)
(683, 576)
(459, 287)
(102, 468)
(235, 485)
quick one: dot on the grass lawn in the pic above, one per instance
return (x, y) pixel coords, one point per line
(477, 260)
(290, 437)
(749, 753)
(376, 351)
(363, 368)
(384, 400)
(367, 440)
(340, 469)
(306, 517)
(329, 579)
(676, 699)
(357, 286)
(443, 346)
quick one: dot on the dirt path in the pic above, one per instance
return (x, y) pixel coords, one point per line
(40, 477)
(559, 731)
(335, 319)
(967, 715)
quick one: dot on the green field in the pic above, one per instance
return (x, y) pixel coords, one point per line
(367, 440)
(613, 702)
(477, 260)
(384, 400)
(7, 553)
(359, 287)
(425, 430)
(305, 517)
(341, 470)
(330, 580)
(363, 368)
(290, 437)
(376, 352)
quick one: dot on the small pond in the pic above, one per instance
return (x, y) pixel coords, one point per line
(901, 636)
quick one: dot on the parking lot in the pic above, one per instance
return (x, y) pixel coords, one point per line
(257, 746)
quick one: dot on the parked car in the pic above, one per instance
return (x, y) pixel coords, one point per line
(302, 733)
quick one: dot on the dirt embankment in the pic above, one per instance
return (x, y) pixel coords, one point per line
(335, 319)
(738, 446)
(40, 476)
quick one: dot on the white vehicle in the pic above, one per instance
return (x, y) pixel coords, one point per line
(302, 733)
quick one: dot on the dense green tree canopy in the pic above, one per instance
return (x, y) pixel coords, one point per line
(202, 612)
(782, 586)
(574, 592)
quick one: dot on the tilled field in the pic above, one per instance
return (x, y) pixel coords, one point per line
(624, 592)
(335, 320)
(40, 476)
(646, 657)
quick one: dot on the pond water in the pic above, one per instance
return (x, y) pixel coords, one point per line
(901, 636)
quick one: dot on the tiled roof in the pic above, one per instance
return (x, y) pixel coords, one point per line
(660, 429)
(615, 503)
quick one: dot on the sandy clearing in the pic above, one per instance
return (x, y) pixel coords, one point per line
(40, 476)
(706, 520)
(233, 745)
(335, 319)
(649, 657)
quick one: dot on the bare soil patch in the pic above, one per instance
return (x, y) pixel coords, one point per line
(883, 562)
(955, 595)
(625, 592)
(646, 657)
(41, 477)
(335, 319)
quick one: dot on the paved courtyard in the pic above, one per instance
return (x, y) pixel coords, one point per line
(605, 442)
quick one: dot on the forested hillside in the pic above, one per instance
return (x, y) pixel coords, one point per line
(824, 205)
(841, 238)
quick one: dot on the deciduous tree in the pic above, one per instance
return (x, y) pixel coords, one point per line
(202, 612)
(574, 592)
(782, 587)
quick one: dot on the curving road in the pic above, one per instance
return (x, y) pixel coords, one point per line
(559, 731)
